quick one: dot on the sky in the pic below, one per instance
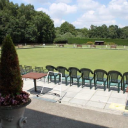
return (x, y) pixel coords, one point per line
(82, 13)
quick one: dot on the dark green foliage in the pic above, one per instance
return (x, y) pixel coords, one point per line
(11, 81)
(67, 27)
(60, 41)
(108, 34)
(24, 24)
(107, 41)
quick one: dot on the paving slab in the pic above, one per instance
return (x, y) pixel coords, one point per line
(77, 96)
(118, 95)
(88, 91)
(74, 89)
(78, 101)
(99, 98)
(83, 96)
(102, 93)
(66, 99)
(96, 104)
(117, 100)
(71, 94)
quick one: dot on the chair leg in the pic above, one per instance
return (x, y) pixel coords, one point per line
(66, 80)
(118, 87)
(90, 84)
(83, 82)
(78, 82)
(59, 78)
(109, 86)
(70, 80)
(55, 79)
(124, 88)
(95, 84)
(104, 86)
(48, 79)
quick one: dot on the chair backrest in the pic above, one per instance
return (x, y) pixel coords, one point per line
(28, 69)
(125, 77)
(50, 68)
(62, 70)
(113, 76)
(22, 70)
(39, 69)
(99, 74)
(85, 73)
(73, 72)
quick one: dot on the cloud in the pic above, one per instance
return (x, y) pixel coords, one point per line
(83, 13)
(37, 1)
(58, 22)
(119, 8)
(43, 9)
(98, 15)
(62, 9)
(63, 1)
(58, 10)
(87, 4)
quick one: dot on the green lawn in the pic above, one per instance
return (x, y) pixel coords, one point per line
(81, 58)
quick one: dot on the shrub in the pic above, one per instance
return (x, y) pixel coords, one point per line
(10, 78)
(111, 43)
(89, 43)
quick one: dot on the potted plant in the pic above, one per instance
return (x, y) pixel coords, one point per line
(13, 99)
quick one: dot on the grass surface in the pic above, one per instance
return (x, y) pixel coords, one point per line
(80, 58)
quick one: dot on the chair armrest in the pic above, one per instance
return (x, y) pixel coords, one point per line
(33, 70)
(45, 70)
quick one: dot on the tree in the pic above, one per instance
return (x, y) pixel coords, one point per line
(83, 32)
(92, 31)
(67, 27)
(124, 32)
(113, 31)
(24, 24)
(104, 31)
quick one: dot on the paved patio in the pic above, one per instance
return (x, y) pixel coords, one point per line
(99, 100)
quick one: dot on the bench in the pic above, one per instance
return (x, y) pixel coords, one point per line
(32, 45)
(78, 45)
(92, 46)
(113, 46)
(20, 46)
(61, 45)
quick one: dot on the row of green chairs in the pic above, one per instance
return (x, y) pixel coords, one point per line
(96, 76)
(27, 69)
(99, 75)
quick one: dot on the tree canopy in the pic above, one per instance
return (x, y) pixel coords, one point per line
(111, 32)
(24, 24)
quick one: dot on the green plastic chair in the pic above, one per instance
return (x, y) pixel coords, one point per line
(28, 69)
(113, 77)
(63, 70)
(73, 73)
(99, 76)
(85, 75)
(39, 69)
(52, 74)
(22, 70)
(125, 81)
